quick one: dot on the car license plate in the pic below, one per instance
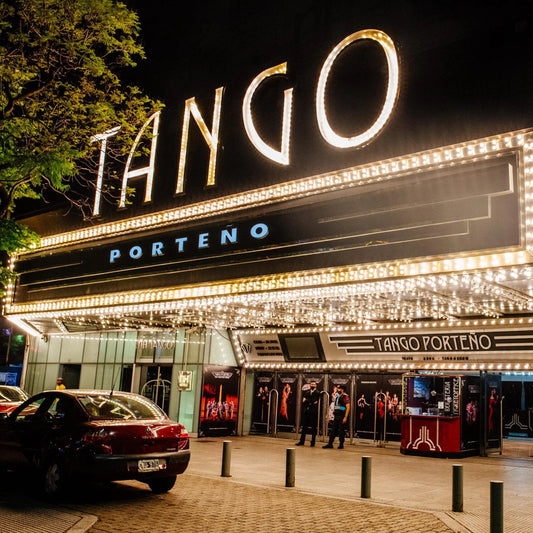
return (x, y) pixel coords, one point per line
(149, 465)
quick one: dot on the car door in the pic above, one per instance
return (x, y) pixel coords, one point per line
(62, 427)
(20, 431)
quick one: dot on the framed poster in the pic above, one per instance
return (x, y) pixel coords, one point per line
(220, 401)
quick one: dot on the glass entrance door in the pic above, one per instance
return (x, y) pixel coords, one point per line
(156, 383)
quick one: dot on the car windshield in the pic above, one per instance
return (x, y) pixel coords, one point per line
(12, 394)
(116, 406)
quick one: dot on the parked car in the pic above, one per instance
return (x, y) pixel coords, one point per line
(11, 397)
(76, 435)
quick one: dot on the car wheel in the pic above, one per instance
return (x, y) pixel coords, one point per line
(162, 484)
(54, 480)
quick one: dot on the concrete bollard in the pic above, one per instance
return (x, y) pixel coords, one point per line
(290, 467)
(366, 475)
(457, 489)
(226, 459)
(496, 507)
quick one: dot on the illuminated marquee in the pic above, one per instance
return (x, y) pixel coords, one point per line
(281, 156)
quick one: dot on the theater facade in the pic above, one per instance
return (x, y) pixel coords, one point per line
(348, 199)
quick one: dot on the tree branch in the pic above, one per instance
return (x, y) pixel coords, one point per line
(7, 195)
(29, 94)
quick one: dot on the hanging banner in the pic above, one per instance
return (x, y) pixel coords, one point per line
(220, 401)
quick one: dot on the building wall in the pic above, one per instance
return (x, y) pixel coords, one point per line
(115, 360)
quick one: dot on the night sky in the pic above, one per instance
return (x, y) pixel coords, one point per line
(466, 71)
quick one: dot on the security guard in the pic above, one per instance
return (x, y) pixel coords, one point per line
(309, 413)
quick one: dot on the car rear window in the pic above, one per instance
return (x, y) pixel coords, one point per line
(12, 395)
(118, 407)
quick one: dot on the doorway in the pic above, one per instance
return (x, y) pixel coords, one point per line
(70, 375)
(156, 384)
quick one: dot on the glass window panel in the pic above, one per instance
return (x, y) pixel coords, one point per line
(51, 375)
(90, 349)
(221, 349)
(180, 344)
(88, 376)
(54, 349)
(71, 350)
(111, 348)
(102, 348)
(130, 347)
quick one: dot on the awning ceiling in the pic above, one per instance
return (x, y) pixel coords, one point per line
(491, 294)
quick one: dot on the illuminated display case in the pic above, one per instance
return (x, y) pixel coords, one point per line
(441, 415)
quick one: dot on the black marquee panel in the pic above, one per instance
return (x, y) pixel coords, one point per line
(474, 207)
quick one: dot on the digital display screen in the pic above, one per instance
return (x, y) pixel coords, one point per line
(421, 387)
(302, 347)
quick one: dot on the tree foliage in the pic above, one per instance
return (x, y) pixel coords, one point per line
(61, 63)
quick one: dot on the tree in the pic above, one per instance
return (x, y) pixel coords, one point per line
(60, 68)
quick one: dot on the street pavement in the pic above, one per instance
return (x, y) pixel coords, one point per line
(409, 494)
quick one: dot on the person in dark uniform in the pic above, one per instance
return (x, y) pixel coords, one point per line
(340, 418)
(309, 413)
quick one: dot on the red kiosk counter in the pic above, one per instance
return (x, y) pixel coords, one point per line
(440, 415)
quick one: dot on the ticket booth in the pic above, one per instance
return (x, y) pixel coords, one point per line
(441, 415)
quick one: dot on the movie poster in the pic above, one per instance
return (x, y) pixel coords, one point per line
(378, 407)
(263, 385)
(493, 396)
(365, 409)
(220, 401)
(392, 385)
(286, 387)
(319, 380)
(471, 414)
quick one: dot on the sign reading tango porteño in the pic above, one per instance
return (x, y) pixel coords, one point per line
(453, 342)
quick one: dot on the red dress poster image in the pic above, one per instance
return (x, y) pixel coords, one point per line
(286, 387)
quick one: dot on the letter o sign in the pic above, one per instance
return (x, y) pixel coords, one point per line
(259, 231)
(390, 99)
(136, 252)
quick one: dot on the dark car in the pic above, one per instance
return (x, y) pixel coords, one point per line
(11, 397)
(71, 436)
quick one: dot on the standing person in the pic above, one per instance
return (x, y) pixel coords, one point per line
(340, 418)
(60, 385)
(309, 413)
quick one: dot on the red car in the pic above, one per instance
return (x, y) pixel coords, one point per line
(10, 398)
(75, 435)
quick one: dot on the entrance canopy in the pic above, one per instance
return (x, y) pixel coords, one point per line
(442, 236)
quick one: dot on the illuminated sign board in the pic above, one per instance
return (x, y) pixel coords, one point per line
(211, 134)
(468, 208)
(460, 342)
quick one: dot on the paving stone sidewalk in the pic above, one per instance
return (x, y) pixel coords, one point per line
(218, 505)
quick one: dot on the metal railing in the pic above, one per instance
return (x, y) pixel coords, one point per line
(158, 383)
(272, 407)
(323, 414)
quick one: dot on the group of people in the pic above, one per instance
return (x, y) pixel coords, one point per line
(340, 406)
(219, 410)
